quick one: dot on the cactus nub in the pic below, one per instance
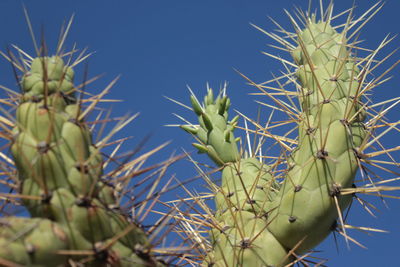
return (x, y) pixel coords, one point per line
(214, 133)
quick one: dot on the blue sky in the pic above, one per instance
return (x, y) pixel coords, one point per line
(160, 47)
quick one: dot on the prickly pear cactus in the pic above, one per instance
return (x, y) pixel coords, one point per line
(76, 216)
(269, 215)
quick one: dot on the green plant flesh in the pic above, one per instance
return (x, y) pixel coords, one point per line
(262, 221)
(60, 171)
(330, 133)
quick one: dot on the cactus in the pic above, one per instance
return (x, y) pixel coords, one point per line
(269, 215)
(269, 211)
(76, 214)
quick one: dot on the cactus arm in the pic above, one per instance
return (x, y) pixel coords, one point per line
(74, 211)
(331, 130)
(240, 235)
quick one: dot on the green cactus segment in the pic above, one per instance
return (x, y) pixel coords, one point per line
(60, 172)
(47, 75)
(42, 242)
(37, 242)
(247, 185)
(52, 147)
(215, 132)
(242, 238)
(330, 133)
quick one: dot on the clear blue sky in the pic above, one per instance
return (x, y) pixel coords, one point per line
(159, 47)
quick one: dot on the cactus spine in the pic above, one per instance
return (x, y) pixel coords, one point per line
(331, 131)
(75, 213)
(262, 219)
(247, 185)
(265, 215)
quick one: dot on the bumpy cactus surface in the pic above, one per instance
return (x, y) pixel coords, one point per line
(247, 184)
(267, 215)
(76, 218)
(269, 211)
(331, 131)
